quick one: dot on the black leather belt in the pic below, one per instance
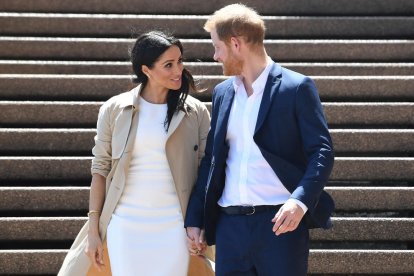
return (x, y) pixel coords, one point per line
(248, 210)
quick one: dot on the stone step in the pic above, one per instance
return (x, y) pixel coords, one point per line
(278, 7)
(102, 87)
(49, 113)
(373, 141)
(345, 229)
(78, 169)
(372, 198)
(46, 141)
(117, 25)
(31, 262)
(36, 141)
(84, 114)
(200, 68)
(367, 229)
(367, 262)
(60, 199)
(293, 50)
(41, 199)
(366, 114)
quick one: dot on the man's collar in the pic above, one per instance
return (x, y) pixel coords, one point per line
(260, 82)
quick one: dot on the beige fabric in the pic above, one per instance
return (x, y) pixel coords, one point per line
(116, 129)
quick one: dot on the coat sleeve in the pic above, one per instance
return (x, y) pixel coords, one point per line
(102, 151)
(316, 142)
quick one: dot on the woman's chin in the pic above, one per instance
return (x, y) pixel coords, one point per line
(175, 86)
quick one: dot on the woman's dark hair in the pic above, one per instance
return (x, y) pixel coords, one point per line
(146, 51)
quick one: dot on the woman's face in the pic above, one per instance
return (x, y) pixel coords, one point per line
(167, 70)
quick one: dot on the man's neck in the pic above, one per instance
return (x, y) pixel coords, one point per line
(252, 68)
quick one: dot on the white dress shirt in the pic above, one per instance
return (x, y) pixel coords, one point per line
(249, 178)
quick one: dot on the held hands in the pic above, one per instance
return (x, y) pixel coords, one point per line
(287, 218)
(195, 241)
(94, 250)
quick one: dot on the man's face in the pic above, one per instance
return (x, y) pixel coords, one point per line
(223, 53)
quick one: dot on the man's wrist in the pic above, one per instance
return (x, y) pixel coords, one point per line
(300, 203)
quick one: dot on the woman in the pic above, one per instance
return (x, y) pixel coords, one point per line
(147, 149)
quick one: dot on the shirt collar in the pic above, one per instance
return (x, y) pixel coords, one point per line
(259, 84)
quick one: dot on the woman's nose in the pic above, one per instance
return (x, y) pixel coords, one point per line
(178, 69)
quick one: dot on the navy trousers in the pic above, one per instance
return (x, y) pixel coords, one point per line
(247, 246)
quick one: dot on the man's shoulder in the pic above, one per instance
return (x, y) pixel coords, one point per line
(292, 80)
(222, 87)
(293, 75)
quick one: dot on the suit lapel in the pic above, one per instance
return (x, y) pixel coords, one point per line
(223, 115)
(270, 91)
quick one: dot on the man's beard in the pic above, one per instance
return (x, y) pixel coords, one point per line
(233, 66)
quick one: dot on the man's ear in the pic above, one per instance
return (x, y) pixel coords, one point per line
(235, 43)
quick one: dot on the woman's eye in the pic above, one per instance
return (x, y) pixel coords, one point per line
(168, 65)
(180, 61)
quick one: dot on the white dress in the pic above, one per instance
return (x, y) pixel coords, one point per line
(146, 234)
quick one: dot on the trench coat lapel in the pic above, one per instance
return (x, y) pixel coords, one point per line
(175, 122)
(133, 120)
(114, 192)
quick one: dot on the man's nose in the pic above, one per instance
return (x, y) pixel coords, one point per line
(215, 56)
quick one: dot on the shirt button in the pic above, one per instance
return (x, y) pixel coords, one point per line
(195, 147)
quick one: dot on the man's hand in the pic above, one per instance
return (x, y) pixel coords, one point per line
(287, 218)
(195, 241)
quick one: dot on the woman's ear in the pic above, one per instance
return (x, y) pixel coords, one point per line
(145, 70)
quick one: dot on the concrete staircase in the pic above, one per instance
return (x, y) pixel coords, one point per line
(59, 60)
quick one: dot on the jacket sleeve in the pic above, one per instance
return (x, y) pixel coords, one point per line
(195, 210)
(102, 151)
(316, 143)
(204, 127)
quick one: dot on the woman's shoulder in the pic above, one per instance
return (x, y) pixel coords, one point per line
(119, 101)
(195, 104)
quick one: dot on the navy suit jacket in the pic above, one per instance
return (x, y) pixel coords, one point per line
(292, 135)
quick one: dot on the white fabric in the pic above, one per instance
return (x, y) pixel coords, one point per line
(146, 234)
(249, 178)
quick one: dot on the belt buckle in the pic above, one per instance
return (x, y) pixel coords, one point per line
(254, 210)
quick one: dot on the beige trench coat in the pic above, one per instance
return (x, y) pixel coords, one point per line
(116, 130)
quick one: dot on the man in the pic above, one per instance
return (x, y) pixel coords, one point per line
(268, 157)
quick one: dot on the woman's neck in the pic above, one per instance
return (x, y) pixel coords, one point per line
(155, 95)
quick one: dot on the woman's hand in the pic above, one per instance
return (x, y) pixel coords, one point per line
(94, 250)
(195, 241)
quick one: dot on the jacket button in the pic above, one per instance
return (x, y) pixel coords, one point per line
(195, 147)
